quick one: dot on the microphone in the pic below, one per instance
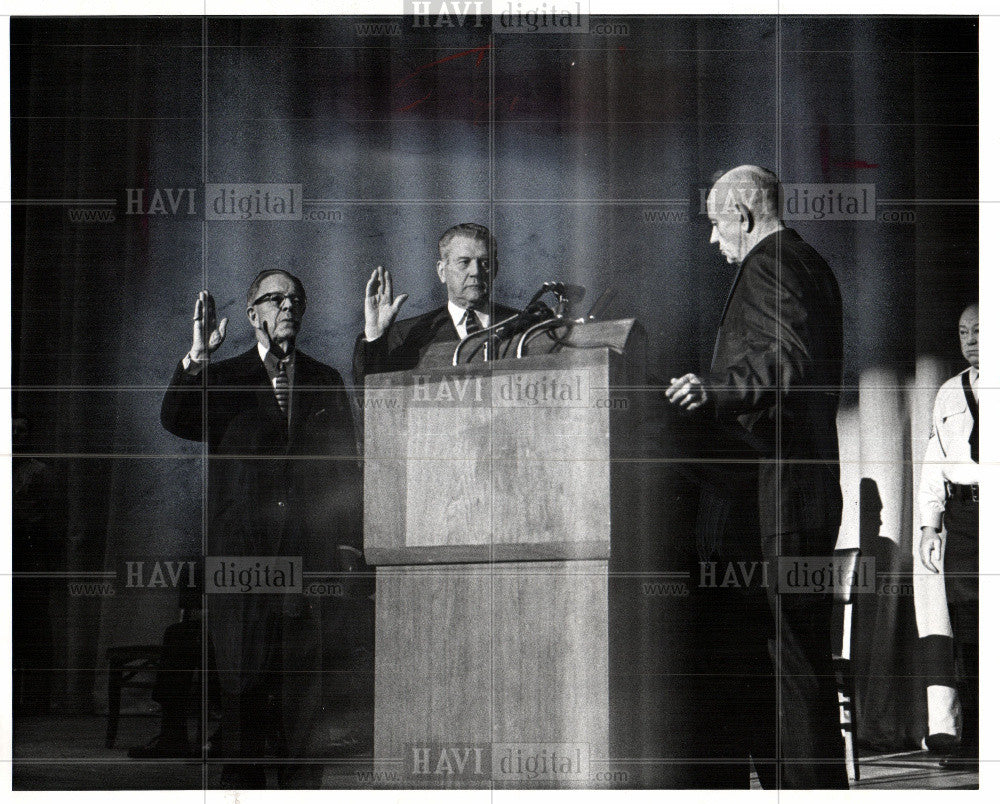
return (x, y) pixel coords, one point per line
(534, 312)
(602, 303)
(565, 291)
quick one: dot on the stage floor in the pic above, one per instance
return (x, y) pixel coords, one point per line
(67, 753)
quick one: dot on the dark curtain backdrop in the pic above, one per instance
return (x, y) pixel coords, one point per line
(571, 147)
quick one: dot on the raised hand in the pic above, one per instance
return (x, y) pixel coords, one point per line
(207, 335)
(380, 308)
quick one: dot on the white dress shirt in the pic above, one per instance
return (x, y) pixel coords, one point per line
(289, 364)
(948, 456)
(458, 318)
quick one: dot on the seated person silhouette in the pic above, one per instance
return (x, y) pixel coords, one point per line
(177, 688)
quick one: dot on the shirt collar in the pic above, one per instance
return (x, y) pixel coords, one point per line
(973, 375)
(458, 315)
(270, 359)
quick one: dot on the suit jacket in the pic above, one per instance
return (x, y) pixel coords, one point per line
(305, 496)
(777, 372)
(274, 488)
(405, 342)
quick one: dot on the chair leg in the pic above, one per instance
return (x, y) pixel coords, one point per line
(200, 710)
(853, 766)
(114, 705)
(847, 730)
(857, 764)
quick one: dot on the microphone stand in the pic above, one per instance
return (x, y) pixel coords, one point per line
(545, 326)
(532, 310)
(559, 319)
(487, 332)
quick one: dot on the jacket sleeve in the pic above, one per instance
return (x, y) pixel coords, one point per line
(777, 353)
(182, 411)
(349, 485)
(931, 491)
(345, 416)
(370, 357)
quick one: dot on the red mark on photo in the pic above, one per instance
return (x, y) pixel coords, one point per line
(482, 51)
(415, 103)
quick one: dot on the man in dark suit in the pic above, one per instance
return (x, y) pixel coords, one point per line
(283, 480)
(467, 266)
(776, 374)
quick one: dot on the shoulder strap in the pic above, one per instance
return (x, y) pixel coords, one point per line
(970, 399)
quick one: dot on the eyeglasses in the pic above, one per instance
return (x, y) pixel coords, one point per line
(278, 299)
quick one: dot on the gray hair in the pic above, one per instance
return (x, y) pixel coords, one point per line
(475, 231)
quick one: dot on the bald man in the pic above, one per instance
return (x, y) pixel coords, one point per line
(775, 379)
(949, 497)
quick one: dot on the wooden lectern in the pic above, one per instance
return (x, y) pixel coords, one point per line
(507, 513)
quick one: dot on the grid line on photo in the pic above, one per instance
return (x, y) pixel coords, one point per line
(497, 204)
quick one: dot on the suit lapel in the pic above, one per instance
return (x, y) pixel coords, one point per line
(784, 233)
(725, 309)
(732, 290)
(303, 392)
(442, 328)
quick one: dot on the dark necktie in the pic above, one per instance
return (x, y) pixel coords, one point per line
(282, 388)
(473, 326)
(970, 400)
(472, 322)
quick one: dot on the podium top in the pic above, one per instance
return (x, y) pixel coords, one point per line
(501, 461)
(620, 336)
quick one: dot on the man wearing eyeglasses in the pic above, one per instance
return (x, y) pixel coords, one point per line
(283, 481)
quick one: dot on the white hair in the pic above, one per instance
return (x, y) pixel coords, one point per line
(755, 187)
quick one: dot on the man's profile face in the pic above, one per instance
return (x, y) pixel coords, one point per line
(279, 309)
(465, 270)
(727, 229)
(968, 335)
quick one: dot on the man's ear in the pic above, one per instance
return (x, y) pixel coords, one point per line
(440, 271)
(252, 316)
(746, 217)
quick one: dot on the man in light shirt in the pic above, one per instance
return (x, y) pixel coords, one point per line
(467, 266)
(949, 498)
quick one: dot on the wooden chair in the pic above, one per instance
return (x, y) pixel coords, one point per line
(845, 566)
(132, 666)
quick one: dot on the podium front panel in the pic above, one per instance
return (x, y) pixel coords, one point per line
(509, 658)
(493, 462)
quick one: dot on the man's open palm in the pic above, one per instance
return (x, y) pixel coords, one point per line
(380, 307)
(207, 334)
